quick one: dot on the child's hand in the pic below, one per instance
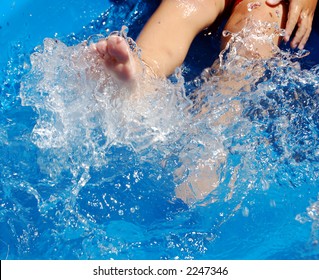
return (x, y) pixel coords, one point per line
(301, 13)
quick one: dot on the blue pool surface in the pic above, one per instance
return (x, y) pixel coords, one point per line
(84, 175)
(31, 21)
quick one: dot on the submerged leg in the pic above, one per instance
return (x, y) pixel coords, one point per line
(203, 178)
(257, 11)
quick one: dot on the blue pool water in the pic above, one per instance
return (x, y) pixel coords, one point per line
(86, 175)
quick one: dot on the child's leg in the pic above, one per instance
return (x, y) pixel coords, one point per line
(164, 40)
(167, 36)
(258, 10)
(203, 177)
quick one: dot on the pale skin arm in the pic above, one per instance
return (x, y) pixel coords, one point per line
(300, 16)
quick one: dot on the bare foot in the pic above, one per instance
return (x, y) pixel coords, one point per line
(118, 58)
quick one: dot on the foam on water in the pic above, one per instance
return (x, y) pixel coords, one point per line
(155, 162)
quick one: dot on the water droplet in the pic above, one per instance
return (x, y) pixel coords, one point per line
(226, 33)
(245, 212)
(253, 5)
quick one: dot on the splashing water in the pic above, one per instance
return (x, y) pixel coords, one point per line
(312, 216)
(246, 41)
(83, 112)
(176, 172)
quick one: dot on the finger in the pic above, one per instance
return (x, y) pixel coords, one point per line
(305, 39)
(293, 17)
(300, 33)
(302, 36)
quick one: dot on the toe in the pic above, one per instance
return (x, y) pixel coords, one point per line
(119, 49)
(101, 47)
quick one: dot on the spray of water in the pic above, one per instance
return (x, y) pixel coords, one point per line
(249, 126)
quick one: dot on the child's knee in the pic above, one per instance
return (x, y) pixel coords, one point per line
(257, 11)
